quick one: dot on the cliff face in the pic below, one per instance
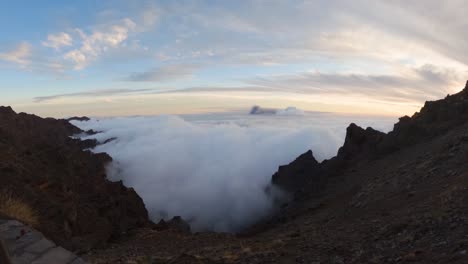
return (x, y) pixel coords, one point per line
(67, 187)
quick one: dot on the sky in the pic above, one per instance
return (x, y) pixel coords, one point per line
(120, 58)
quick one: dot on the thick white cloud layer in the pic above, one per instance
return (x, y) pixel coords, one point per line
(213, 170)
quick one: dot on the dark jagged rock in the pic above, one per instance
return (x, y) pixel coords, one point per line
(176, 223)
(91, 132)
(305, 173)
(77, 206)
(88, 143)
(4, 110)
(257, 110)
(435, 118)
(360, 142)
(301, 171)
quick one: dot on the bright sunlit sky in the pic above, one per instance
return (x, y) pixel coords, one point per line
(108, 58)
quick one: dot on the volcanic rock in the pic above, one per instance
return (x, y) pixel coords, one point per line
(360, 142)
(298, 173)
(44, 167)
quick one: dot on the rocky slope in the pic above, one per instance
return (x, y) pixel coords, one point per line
(385, 198)
(41, 166)
(388, 197)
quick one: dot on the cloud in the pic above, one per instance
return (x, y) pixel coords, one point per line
(79, 58)
(58, 40)
(445, 20)
(20, 55)
(280, 32)
(165, 73)
(213, 172)
(150, 17)
(99, 41)
(411, 84)
(219, 89)
(98, 93)
(358, 47)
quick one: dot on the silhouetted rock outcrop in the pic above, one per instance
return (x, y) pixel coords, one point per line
(257, 110)
(305, 169)
(360, 142)
(78, 118)
(435, 118)
(306, 174)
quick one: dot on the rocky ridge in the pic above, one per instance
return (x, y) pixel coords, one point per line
(46, 169)
(435, 118)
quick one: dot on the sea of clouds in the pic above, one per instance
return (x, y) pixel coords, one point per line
(213, 169)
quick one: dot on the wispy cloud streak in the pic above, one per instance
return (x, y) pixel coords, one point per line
(100, 93)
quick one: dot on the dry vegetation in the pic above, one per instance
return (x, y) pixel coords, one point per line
(16, 208)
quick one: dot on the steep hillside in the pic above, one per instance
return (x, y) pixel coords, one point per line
(43, 169)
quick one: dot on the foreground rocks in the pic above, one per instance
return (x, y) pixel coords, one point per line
(66, 187)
